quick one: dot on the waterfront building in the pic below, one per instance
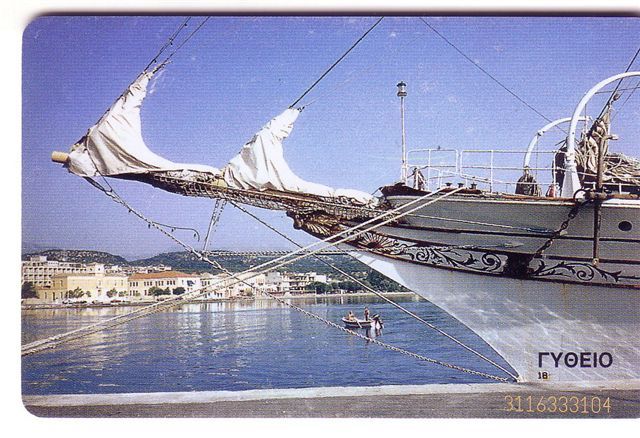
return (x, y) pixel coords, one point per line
(291, 282)
(88, 286)
(130, 270)
(38, 270)
(140, 284)
(207, 280)
(277, 282)
(228, 286)
(298, 282)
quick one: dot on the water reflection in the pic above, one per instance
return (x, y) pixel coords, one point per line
(243, 345)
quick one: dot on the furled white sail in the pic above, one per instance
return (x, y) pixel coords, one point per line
(114, 145)
(261, 165)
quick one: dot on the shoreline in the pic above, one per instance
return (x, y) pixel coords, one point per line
(48, 306)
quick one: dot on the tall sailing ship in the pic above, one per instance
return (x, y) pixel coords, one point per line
(544, 268)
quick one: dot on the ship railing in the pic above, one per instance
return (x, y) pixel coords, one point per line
(488, 169)
(494, 170)
(502, 168)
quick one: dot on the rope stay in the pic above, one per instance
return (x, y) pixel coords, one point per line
(629, 96)
(213, 223)
(186, 40)
(376, 292)
(156, 307)
(169, 42)
(116, 198)
(336, 63)
(465, 56)
(616, 89)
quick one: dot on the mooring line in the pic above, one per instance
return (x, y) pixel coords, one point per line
(378, 294)
(56, 340)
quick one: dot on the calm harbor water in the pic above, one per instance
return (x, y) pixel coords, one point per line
(245, 345)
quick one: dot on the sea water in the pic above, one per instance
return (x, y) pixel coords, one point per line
(242, 345)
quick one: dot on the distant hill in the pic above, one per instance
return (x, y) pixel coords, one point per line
(79, 256)
(184, 261)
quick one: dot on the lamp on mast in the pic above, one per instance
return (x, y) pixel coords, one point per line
(402, 93)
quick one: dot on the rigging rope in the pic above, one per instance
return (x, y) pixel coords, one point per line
(50, 342)
(116, 198)
(186, 40)
(358, 74)
(336, 63)
(376, 292)
(169, 42)
(215, 218)
(156, 307)
(486, 72)
(633, 90)
(615, 90)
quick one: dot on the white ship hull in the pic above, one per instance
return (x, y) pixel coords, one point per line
(555, 317)
(524, 319)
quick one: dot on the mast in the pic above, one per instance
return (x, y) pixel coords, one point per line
(404, 170)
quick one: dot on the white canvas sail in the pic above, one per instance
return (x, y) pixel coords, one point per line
(114, 145)
(261, 165)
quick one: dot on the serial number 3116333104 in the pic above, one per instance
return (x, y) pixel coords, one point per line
(562, 404)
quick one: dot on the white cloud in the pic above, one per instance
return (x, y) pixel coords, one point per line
(452, 99)
(393, 35)
(426, 86)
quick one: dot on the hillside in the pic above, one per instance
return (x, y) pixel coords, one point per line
(186, 262)
(79, 256)
(183, 261)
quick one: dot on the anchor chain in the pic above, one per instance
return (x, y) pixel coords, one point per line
(565, 224)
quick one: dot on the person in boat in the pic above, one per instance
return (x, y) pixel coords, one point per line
(351, 316)
(366, 314)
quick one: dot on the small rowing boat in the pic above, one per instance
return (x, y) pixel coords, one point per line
(357, 323)
(374, 322)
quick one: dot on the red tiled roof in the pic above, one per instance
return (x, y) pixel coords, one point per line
(159, 275)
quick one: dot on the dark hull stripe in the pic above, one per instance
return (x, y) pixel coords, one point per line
(634, 287)
(507, 252)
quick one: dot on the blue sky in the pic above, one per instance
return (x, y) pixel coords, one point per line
(238, 72)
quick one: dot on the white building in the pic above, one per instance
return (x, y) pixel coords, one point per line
(39, 271)
(130, 270)
(295, 283)
(224, 286)
(141, 283)
(298, 282)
